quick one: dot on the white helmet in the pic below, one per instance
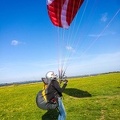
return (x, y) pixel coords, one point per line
(50, 75)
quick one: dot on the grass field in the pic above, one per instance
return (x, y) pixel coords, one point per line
(88, 98)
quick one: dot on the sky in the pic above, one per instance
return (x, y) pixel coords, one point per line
(30, 45)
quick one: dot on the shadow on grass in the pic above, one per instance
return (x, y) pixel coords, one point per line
(50, 115)
(53, 114)
(77, 93)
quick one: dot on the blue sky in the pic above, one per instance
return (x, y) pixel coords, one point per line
(30, 45)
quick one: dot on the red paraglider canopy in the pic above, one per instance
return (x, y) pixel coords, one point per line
(62, 12)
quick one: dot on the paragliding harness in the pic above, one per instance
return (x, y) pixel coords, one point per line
(45, 91)
(41, 99)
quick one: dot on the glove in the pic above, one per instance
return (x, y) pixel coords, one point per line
(65, 81)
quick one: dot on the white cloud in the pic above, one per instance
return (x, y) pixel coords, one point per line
(93, 35)
(112, 33)
(15, 42)
(104, 17)
(103, 34)
(96, 35)
(81, 65)
(70, 48)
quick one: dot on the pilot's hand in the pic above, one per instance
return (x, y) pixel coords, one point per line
(65, 81)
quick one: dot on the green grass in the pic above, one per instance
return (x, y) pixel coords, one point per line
(88, 98)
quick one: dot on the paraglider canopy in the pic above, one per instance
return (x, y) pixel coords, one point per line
(62, 12)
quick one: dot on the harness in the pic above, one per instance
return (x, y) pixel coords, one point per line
(41, 99)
